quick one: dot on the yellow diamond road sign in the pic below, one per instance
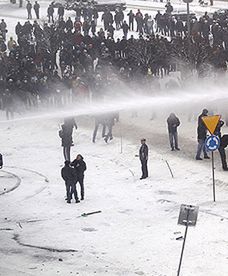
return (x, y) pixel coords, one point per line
(211, 122)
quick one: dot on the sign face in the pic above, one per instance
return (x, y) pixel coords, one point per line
(187, 1)
(211, 122)
(212, 143)
(188, 215)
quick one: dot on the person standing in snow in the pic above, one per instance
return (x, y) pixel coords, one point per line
(125, 28)
(36, 8)
(143, 156)
(173, 122)
(201, 136)
(1, 161)
(29, 9)
(99, 120)
(66, 135)
(69, 175)
(50, 12)
(222, 152)
(80, 167)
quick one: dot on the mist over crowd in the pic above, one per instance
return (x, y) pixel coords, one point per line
(72, 60)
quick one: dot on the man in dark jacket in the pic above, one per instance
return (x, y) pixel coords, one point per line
(50, 12)
(69, 175)
(173, 123)
(223, 145)
(61, 11)
(1, 161)
(80, 167)
(131, 20)
(143, 156)
(66, 135)
(109, 122)
(125, 28)
(201, 136)
(36, 8)
(99, 120)
(169, 8)
(29, 9)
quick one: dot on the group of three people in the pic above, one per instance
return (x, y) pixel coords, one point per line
(72, 172)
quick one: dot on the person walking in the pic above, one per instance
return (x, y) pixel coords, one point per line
(80, 167)
(69, 175)
(201, 136)
(36, 8)
(143, 156)
(173, 122)
(99, 120)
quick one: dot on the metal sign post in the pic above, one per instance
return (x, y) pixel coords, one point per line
(213, 174)
(212, 143)
(188, 217)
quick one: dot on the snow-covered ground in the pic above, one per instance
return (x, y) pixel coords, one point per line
(136, 231)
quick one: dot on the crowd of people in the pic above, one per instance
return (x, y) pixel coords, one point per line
(71, 59)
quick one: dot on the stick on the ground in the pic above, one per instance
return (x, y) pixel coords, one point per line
(20, 225)
(91, 213)
(169, 168)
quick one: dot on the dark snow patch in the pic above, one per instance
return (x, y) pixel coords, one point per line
(17, 239)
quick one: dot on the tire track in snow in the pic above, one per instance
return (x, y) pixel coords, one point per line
(17, 184)
(46, 180)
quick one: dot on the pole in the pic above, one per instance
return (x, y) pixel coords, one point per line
(188, 20)
(188, 28)
(213, 174)
(121, 141)
(185, 235)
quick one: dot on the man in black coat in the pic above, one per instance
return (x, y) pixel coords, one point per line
(201, 136)
(223, 145)
(80, 167)
(131, 20)
(99, 119)
(29, 9)
(50, 12)
(1, 161)
(173, 123)
(61, 11)
(143, 156)
(66, 135)
(69, 175)
(36, 8)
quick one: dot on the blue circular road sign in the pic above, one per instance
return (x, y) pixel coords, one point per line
(212, 143)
